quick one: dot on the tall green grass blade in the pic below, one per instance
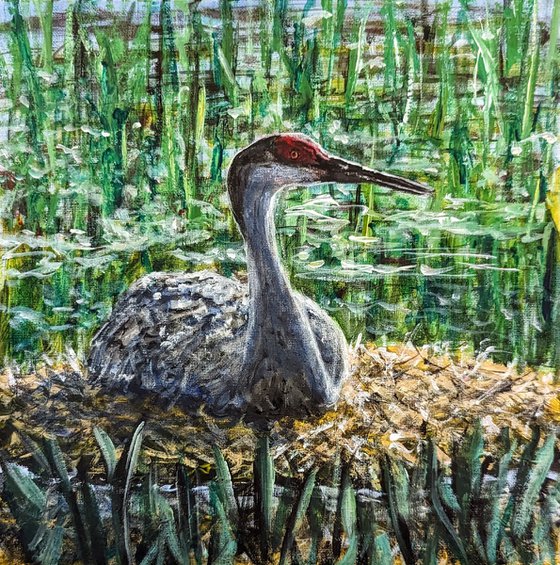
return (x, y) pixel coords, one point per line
(527, 122)
(349, 522)
(223, 545)
(153, 552)
(366, 529)
(264, 475)
(348, 508)
(394, 487)
(27, 504)
(108, 451)
(228, 74)
(448, 496)
(33, 448)
(391, 51)
(224, 486)
(529, 490)
(169, 531)
(495, 522)
(341, 477)
(327, 36)
(297, 515)
(57, 464)
(534, 51)
(120, 487)
(279, 24)
(552, 52)
(523, 470)
(92, 515)
(316, 518)
(355, 61)
(24, 488)
(131, 462)
(431, 547)
(45, 11)
(467, 477)
(448, 532)
(95, 528)
(281, 517)
(543, 538)
(383, 555)
(438, 117)
(189, 519)
(36, 113)
(51, 553)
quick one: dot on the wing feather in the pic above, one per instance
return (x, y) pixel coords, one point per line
(176, 334)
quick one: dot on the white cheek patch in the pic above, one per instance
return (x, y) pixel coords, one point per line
(280, 175)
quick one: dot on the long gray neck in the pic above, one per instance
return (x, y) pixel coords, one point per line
(279, 336)
(267, 280)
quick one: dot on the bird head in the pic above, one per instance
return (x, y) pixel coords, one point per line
(293, 159)
(306, 162)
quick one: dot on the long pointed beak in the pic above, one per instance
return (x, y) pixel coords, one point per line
(342, 171)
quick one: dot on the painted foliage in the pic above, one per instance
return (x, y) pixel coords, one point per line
(118, 124)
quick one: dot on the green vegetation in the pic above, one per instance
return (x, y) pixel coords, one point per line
(117, 129)
(481, 508)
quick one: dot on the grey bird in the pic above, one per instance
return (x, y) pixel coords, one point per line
(259, 351)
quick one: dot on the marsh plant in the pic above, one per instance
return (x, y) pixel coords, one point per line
(466, 506)
(117, 127)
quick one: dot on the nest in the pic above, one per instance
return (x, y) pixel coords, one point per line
(396, 398)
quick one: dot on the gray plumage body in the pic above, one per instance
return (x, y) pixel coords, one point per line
(183, 337)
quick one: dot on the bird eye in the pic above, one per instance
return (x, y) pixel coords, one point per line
(294, 154)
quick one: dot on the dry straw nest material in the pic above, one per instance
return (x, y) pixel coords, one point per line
(396, 398)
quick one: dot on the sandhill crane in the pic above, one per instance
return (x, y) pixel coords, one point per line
(261, 351)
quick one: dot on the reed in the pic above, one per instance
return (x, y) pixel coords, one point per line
(473, 506)
(119, 138)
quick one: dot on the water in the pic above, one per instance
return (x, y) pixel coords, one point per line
(98, 201)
